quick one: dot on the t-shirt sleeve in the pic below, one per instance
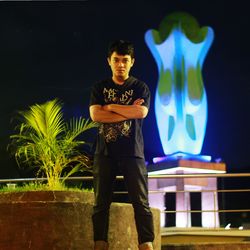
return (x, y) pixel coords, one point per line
(146, 95)
(96, 95)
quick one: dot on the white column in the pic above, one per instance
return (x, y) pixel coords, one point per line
(157, 200)
(209, 201)
(183, 219)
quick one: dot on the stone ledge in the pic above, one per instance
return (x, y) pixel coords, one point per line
(40, 225)
(122, 224)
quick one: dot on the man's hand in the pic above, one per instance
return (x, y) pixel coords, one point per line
(122, 112)
(138, 101)
(107, 107)
(134, 111)
(102, 114)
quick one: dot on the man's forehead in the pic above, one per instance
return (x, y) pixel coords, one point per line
(120, 56)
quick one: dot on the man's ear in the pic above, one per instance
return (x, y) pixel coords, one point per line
(133, 61)
(108, 59)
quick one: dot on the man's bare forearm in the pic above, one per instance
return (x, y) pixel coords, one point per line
(129, 111)
(98, 114)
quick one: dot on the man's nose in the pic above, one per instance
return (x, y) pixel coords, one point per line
(121, 64)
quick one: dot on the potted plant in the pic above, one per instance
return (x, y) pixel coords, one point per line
(51, 218)
(49, 144)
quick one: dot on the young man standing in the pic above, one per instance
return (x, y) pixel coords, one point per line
(119, 104)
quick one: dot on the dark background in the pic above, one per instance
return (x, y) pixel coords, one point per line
(58, 49)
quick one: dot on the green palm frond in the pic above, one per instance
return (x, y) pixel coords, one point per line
(46, 120)
(54, 118)
(44, 140)
(77, 126)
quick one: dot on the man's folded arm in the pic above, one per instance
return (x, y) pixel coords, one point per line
(99, 114)
(129, 111)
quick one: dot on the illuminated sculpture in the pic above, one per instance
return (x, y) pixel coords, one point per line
(179, 48)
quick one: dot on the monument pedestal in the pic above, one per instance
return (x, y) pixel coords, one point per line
(183, 186)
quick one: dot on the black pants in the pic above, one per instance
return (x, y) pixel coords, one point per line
(135, 177)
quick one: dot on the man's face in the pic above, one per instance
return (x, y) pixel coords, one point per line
(120, 65)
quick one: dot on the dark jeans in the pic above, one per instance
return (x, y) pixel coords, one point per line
(135, 176)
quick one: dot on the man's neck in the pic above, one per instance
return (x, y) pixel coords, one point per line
(119, 80)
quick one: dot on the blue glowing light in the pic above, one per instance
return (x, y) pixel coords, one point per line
(178, 156)
(180, 99)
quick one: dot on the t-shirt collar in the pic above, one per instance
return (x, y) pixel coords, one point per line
(126, 82)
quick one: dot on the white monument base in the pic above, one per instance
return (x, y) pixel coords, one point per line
(183, 186)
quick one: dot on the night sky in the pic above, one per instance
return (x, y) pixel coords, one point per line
(58, 49)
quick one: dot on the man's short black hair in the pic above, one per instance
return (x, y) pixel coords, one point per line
(121, 47)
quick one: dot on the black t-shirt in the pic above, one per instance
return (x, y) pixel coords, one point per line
(120, 139)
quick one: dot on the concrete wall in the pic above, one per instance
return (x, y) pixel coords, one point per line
(62, 220)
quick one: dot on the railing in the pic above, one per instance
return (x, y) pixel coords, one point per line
(219, 209)
(221, 191)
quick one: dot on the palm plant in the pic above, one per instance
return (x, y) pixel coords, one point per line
(45, 141)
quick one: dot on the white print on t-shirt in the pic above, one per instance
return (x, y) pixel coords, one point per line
(112, 131)
(110, 96)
